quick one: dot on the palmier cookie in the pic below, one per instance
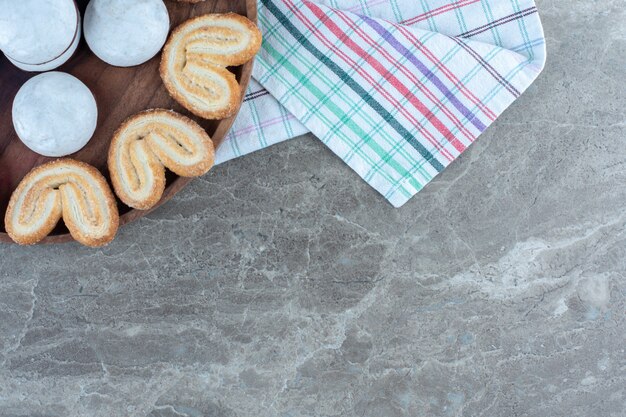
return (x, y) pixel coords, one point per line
(147, 143)
(67, 189)
(194, 61)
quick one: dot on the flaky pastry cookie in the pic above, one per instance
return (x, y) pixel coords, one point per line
(67, 189)
(194, 61)
(147, 143)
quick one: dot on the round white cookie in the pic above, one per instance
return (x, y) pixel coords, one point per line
(38, 35)
(126, 33)
(55, 114)
(50, 65)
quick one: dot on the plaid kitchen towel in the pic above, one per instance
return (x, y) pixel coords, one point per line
(398, 89)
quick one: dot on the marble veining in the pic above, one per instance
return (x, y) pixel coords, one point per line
(282, 285)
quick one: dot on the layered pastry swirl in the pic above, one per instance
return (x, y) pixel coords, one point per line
(147, 143)
(67, 189)
(194, 61)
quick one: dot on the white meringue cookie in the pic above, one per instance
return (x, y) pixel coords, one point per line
(126, 33)
(39, 35)
(55, 114)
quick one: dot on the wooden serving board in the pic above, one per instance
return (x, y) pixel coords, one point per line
(120, 93)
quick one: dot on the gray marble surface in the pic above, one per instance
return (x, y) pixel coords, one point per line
(282, 285)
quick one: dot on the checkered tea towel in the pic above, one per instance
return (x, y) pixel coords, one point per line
(398, 89)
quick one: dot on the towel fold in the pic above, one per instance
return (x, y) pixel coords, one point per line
(398, 89)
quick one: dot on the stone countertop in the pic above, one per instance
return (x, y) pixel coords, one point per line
(282, 285)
